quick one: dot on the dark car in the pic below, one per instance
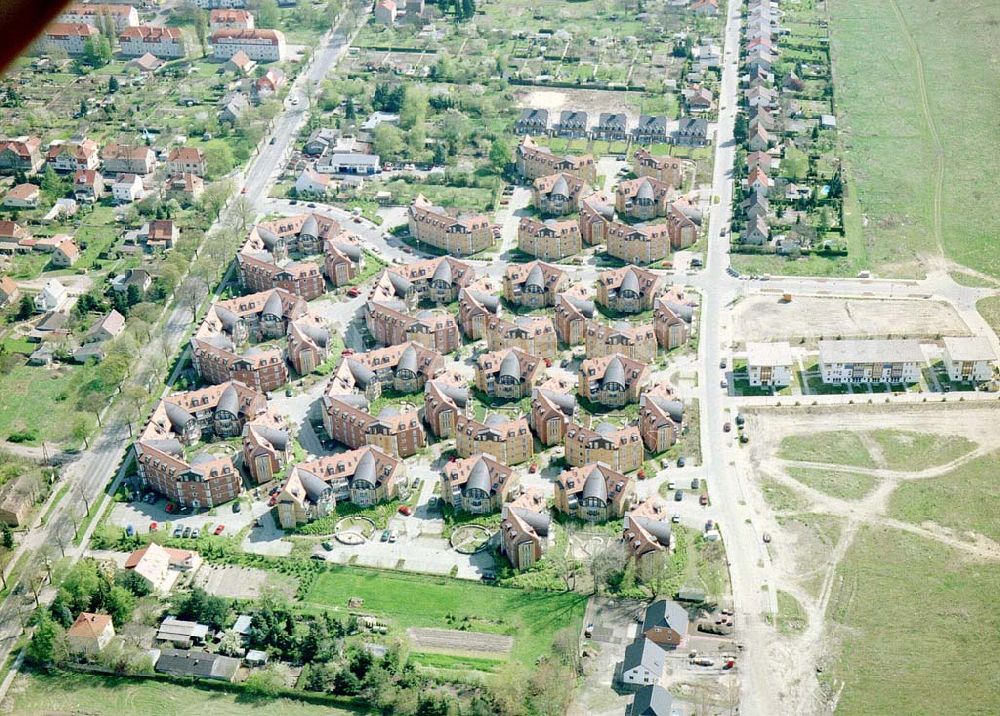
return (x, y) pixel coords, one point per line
(680, 462)
(678, 496)
(237, 507)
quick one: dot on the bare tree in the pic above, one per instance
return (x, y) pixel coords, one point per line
(243, 215)
(63, 535)
(191, 293)
(606, 563)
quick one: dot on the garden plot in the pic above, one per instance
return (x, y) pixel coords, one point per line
(765, 318)
(238, 582)
(452, 641)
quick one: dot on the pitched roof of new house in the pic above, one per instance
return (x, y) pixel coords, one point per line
(89, 625)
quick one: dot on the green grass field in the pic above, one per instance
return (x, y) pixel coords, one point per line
(791, 618)
(101, 695)
(989, 309)
(915, 618)
(836, 448)
(409, 600)
(964, 499)
(847, 485)
(903, 450)
(901, 110)
(41, 401)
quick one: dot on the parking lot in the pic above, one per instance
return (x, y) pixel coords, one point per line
(142, 516)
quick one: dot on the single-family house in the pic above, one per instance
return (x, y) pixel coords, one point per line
(90, 633)
(128, 188)
(969, 359)
(769, 364)
(22, 196)
(644, 662)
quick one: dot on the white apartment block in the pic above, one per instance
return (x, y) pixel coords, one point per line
(969, 359)
(68, 37)
(259, 45)
(162, 42)
(122, 15)
(870, 361)
(769, 364)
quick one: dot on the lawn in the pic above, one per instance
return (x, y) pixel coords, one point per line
(837, 448)
(791, 618)
(903, 450)
(408, 600)
(83, 694)
(847, 485)
(895, 65)
(963, 499)
(781, 498)
(915, 618)
(42, 402)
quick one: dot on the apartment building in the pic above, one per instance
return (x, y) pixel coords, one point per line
(671, 171)
(639, 243)
(267, 447)
(475, 309)
(596, 213)
(532, 334)
(507, 440)
(769, 364)
(525, 529)
(298, 234)
(661, 416)
(308, 343)
(870, 361)
(969, 359)
(478, 484)
(683, 223)
(259, 272)
(164, 43)
(612, 380)
(121, 16)
(549, 239)
(534, 162)
(437, 280)
(217, 357)
(559, 194)
(629, 289)
(445, 399)
(128, 159)
(594, 492)
(618, 447)
(74, 156)
(259, 45)
(230, 19)
(71, 38)
(638, 341)
(403, 368)
(646, 531)
(572, 311)
(508, 374)
(396, 432)
(459, 236)
(364, 477)
(534, 284)
(552, 412)
(644, 198)
(389, 324)
(189, 160)
(672, 317)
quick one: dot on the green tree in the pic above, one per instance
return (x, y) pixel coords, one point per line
(388, 141)
(42, 647)
(265, 682)
(468, 9)
(795, 164)
(201, 606)
(7, 536)
(267, 13)
(201, 30)
(134, 582)
(219, 158)
(413, 109)
(112, 84)
(499, 155)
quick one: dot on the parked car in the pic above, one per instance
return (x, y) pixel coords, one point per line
(186, 533)
(703, 500)
(727, 427)
(695, 483)
(130, 530)
(153, 527)
(709, 524)
(405, 510)
(533, 468)
(588, 631)
(195, 533)
(237, 506)
(767, 537)
(680, 461)
(678, 496)
(392, 536)
(327, 546)
(740, 419)
(353, 292)
(170, 507)
(675, 518)
(723, 383)
(178, 531)
(722, 363)
(219, 529)
(385, 536)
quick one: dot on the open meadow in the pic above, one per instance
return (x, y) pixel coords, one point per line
(916, 97)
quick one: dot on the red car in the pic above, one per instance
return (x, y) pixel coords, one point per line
(153, 527)
(273, 501)
(533, 468)
(218, 530)
(703, 500)
(347, 352)
(405, 510)
(353, 292)
(170, 507)
(548, 362)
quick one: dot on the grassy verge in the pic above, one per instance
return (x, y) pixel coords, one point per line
(989, 309)
(791, 618)
(903, 450)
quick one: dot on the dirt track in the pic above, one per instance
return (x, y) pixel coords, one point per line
(452, 641)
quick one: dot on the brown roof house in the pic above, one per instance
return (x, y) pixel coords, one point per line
(665, 624)
(161, 566)
(508, 374)
(646, 533)
(637, 341)
(613, 380)
(594, 492)
(619, 447)
(8, 291)
(534, 284)
(572, 311)
(22, 196)
(672, 317)
(478, 484)
(506, 439)
(629, 289)
(661, 415)
(552, 412)
(534, 161)
(65, 254)
(445, 399)
(532, 334)
(90, 633)
(559, 194)
(525, 529)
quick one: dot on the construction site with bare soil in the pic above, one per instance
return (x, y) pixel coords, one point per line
(882, 540)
